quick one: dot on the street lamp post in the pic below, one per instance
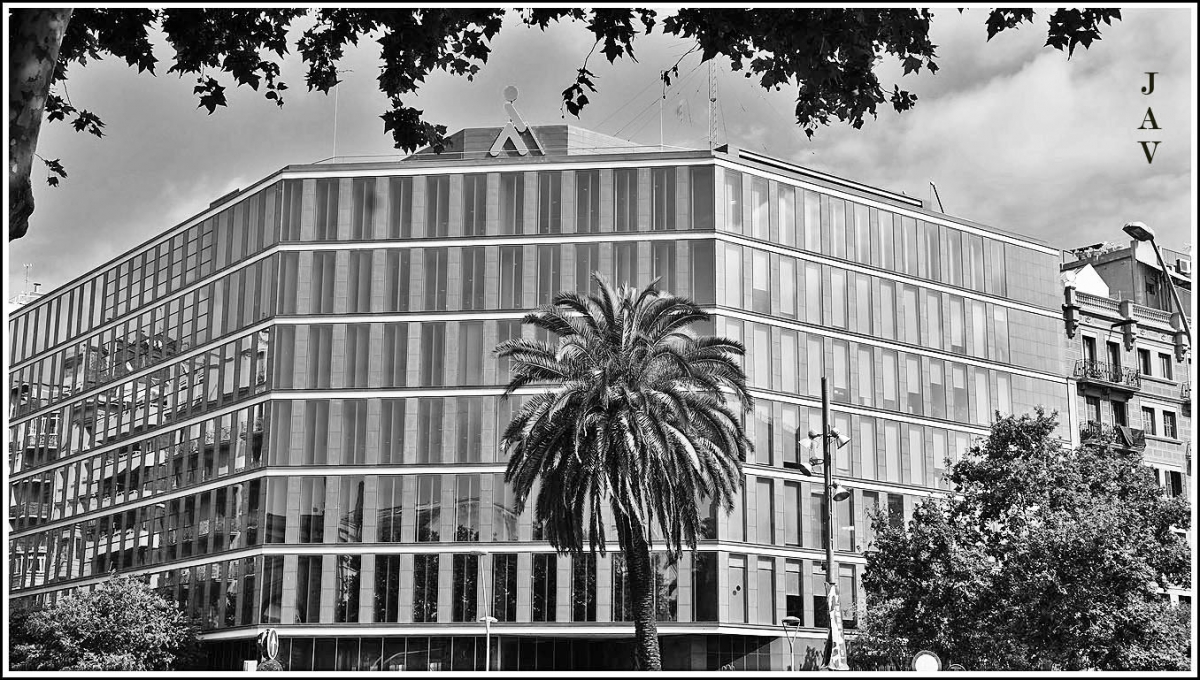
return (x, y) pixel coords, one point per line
(487, 618)
(1140, 232)
(833, 492)
(791, 626)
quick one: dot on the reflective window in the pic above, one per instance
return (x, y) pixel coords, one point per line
(511, 276)
(760, 220)
(733, 201)
(474, 204)
(545, 586)
(587, 201)
(550, 202)
(512, 203)
(625, 199)
(437, 206)
(425, 588)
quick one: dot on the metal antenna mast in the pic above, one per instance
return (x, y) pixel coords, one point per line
(712, 106)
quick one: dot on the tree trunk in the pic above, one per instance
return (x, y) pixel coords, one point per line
(641, 589)
(35, 36)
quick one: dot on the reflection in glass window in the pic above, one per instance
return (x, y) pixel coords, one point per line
(868, 447)
(787, 287)
(625, 264)
(733, 201)
(891, 450)
(1000, 322)
(436, 261)
(812, 221)
(474, 278)
(326, 214)
(662, 265)
(465, 577)
(429, 503)
(387, 588)
(733, 275)
(433, 354)
(765, 611)
(550, 202)
(887, 310)
(866, 376)
(583, 587)
(587, 261)
(890, 380)
(587, 201)
(705, 591)
(308, 589)
(425, 588)
(760, 214)
(702, 196)
(470, 353)
(504, 586)
(390, 512)
(958, 384)
(474, 204)
(937, 389)
(512, 203)
(788, 349)
(703, 261)
(812, 293)
(549, 280)
(625, 199)
(511, 276)
(912, 382)
(312, 509)
(787, 215)
(840, 391)
(430, 412)
(837, 289)
(837, 227)
(545, 586)
(958, 338)
(761, 278)
(437, 206)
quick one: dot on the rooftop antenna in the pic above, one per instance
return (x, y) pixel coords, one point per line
(939, 198)
(335, 109)
(28, 266)
(712, 106)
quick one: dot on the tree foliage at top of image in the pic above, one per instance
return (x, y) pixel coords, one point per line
(1043, 557)
(122, 625)
(828, 55)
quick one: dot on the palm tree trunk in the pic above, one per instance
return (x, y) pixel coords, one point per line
(641, 590)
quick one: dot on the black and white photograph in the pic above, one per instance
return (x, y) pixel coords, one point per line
(605, 340)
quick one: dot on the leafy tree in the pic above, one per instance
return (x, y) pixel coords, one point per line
(829, 56)
(1044, 556)
(636, 419)
(122, 625)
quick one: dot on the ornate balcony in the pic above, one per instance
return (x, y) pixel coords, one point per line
(1120, 436)
(1108, 375)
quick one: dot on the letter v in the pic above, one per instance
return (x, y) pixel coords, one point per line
(1148, 152)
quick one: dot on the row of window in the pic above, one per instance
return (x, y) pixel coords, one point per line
(156, 335)
(426, 508)
(222, 240)
(621, 200)
(1149, 421)
(215, 379)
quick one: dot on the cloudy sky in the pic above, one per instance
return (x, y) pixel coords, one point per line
(1014, 135)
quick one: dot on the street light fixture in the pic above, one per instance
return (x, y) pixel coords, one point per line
(487, 619)
(833, 492)
(1140, 232)
(791, 626)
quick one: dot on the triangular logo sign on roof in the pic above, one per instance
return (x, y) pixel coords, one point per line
(515, 129)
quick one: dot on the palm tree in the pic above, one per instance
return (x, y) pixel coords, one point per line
(638, 416)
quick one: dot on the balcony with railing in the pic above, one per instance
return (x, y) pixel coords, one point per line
(1108, 375)
(1120, 436)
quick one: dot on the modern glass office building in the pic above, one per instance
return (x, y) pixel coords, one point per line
(284, 412)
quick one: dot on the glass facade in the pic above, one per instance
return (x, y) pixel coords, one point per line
(287, 411)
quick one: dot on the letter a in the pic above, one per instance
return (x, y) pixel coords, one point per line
(1149, 117)
(1150, 87)
(1148, 152)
